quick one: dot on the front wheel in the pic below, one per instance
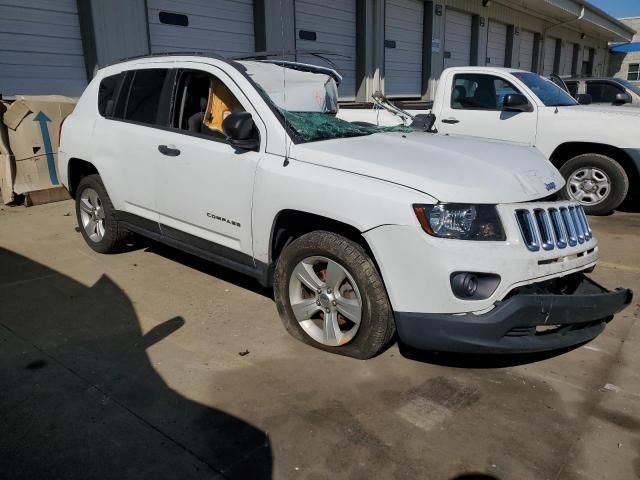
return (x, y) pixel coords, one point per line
(597, 182)
(330, 295)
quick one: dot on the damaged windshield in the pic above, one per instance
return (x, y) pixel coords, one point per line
(307, 101)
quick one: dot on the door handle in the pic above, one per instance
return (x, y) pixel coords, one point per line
(168, 150)
(450, 121)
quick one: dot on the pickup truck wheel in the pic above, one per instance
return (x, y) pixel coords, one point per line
(598, 182)
(329, 295)
(96, 218)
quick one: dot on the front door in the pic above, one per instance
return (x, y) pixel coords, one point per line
(474, 108)
(205, 185)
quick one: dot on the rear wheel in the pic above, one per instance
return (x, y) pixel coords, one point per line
(598, 182)
(96, 217)
(329, 295)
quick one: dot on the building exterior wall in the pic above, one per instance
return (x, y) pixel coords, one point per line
(619, 62)
(119, 29)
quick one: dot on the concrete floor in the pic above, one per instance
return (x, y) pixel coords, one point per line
(130, 366)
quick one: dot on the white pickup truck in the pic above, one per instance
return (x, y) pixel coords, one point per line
(596, 148)
(361, 231)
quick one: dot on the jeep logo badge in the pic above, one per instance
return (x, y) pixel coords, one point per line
(550, 186)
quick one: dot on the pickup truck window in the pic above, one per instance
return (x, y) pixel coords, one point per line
(472, 91)
(548, 92)
(603, 92)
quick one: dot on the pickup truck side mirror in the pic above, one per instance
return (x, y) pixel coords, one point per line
(239, 129)
(622, 98)
(584, 99)
(516, 102)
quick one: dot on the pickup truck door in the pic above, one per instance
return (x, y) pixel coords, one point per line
(472, 105)
(205, 186)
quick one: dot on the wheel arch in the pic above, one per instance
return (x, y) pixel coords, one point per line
(77, 169)
(290, 224)
(566, 151)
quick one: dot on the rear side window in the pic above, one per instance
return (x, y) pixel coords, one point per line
(108, 93)
(143, 102)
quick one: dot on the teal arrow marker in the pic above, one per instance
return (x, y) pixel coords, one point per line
(46, 138)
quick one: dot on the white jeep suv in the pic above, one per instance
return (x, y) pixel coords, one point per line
(362, 231)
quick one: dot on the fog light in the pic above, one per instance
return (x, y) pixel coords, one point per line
(464, 285)
(474, 285)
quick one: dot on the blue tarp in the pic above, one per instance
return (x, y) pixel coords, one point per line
(626, 47)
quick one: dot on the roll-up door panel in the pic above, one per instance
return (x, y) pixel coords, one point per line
(403, 48)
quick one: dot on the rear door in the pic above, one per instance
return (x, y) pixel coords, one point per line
(474, 108)
(126, 138)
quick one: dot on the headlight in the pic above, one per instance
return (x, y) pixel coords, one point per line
(460, 221)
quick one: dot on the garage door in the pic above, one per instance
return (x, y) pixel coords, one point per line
(329, 25)
(457, 39)
(221, 26)
(525, 57)
(403, 48)
(40, 48)
(549, 55)
(567, 58)
(496, 44)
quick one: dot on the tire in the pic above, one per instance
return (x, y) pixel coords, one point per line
(361, 286)
(604, 170)
(111, 237)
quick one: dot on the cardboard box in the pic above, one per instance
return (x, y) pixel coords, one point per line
(33, 127)
(6, 164)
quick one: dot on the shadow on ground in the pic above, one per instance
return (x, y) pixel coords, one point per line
(80, 398)
(481, 361)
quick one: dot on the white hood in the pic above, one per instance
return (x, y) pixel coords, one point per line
(451, 169)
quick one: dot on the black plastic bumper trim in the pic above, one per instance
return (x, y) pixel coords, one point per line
(510, 327)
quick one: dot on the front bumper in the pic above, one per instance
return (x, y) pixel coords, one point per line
(545, 316)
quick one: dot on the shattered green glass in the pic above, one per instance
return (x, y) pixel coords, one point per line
(314, 126)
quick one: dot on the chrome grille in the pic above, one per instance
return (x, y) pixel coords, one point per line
(554, 227)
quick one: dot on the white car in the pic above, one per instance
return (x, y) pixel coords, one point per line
(361, 231)
(596, 148)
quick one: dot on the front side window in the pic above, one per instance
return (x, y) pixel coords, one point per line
(603, 92)
(143, 101)
(548, 92)
(202, 103)
(634, 72)
(472, 91)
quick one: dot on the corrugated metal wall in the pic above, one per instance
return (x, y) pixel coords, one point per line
(41, 48)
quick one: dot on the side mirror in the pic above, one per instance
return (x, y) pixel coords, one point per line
(239, 129)
(423, 122)
(622, 98)
(584, 99)
(516, 102)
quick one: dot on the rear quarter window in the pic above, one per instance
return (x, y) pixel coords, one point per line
(108, 94)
